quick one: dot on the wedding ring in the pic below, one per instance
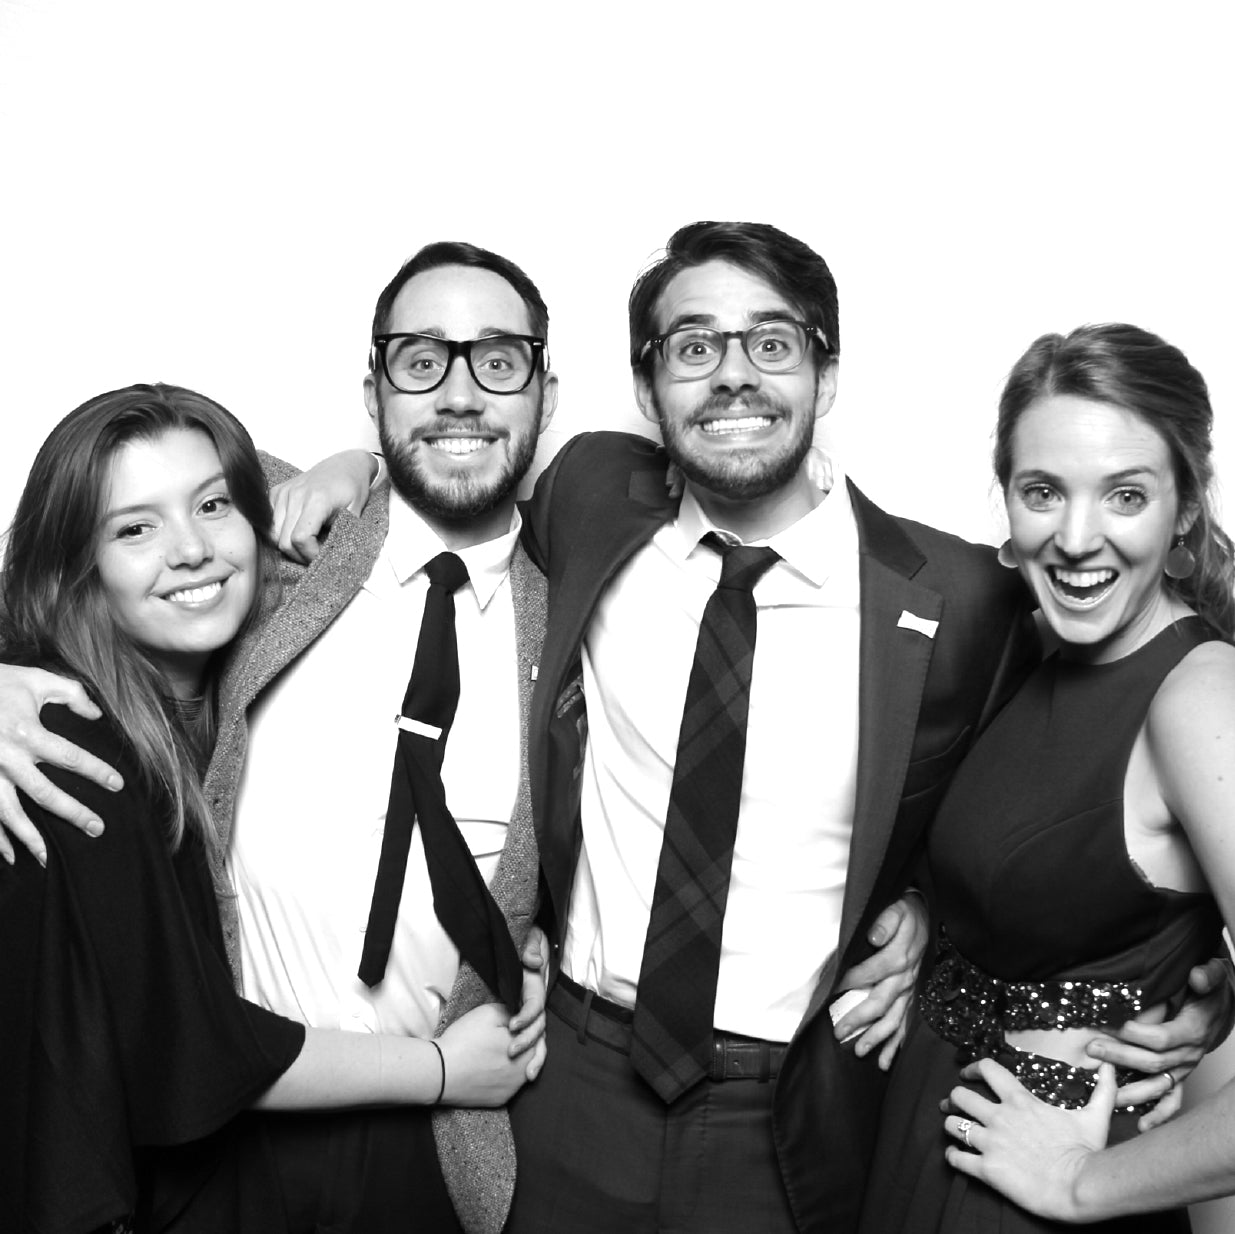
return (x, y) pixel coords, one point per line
(963, 1128)
(1170, 1082)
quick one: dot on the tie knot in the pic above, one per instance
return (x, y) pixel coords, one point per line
(447, 570)
(742, 565)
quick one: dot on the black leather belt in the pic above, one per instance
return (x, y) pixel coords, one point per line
(734, 1057)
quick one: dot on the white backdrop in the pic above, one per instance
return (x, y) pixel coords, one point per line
(213, 194)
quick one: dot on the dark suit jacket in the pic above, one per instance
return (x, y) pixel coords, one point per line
(922, 699)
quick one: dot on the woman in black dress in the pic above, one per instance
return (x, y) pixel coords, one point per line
(1079, 861)
(126, 1058)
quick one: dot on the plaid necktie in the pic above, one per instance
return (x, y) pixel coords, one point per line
(462, 901)
(681, 956)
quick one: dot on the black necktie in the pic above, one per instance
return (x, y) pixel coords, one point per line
(461, 899)
(676, 999)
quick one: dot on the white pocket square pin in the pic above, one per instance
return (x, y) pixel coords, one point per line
(910, 621)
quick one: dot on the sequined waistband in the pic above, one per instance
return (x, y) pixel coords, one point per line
(974, 1010)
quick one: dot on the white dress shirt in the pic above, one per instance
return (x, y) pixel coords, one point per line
(790, 855)
(312, 803)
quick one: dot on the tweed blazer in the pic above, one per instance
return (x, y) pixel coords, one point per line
(474, 1146)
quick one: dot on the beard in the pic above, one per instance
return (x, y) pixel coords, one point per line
(742, 475)
(463, 497)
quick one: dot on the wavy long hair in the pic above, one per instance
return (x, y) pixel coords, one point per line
(1131, 368)
(54, 608)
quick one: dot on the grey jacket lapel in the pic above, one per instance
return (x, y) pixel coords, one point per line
(304, 601)
(475, 1147)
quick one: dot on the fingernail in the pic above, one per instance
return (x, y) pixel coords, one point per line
(877, 937)
(115, 783)
(94, 827)
(41, 858)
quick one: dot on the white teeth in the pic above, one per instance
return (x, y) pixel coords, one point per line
(459, 445)
(742, 424)
(1084, 578)
(194, 595)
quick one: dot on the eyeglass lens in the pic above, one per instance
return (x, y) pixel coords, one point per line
(772, 346)
(499, 363)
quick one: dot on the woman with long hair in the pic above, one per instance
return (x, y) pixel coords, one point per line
(1080, 861)
(136, 555)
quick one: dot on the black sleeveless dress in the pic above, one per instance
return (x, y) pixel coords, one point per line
(1045, 922)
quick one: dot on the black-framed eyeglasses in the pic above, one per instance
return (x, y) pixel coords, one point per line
(419, 363)
(694, 352)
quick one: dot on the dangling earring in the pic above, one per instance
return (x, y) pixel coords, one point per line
(1004, 556)
(1180, 561)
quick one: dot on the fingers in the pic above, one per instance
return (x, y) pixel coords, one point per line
(888, 1054)
(887, 924)
(537, 1061)
(54, 800)
(71, 693)
(1147, 1058)
(887, 1025)
(13, 821)
(1207, 978)
(527, 1037)
(536, 949)
(1163, 1111)
(299, 518)
(965, 1130)
(997, 1078)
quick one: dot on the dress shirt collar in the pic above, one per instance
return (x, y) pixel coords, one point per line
(411, 544)
(812, 546)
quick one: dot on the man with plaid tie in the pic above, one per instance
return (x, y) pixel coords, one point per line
(755, 687)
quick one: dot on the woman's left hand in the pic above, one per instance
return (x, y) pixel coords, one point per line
(1030, 1151)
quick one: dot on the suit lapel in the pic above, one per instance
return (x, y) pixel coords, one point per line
(576, 585)
(305, 601)
(475, 1147)
(895, 655)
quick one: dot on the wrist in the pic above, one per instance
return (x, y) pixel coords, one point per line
(1082, 1190)
(441, 1063)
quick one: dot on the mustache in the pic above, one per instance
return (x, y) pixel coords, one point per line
(459, 426)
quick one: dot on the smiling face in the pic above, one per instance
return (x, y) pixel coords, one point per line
(1093, 511)
(740, 434)
(457, 453)
(177, 563)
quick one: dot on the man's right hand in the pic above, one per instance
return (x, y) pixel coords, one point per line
(24, 742)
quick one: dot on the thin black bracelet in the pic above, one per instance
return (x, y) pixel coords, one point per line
(441, 1058)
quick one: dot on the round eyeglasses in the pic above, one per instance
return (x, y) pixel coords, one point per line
(418, 363)
(694, 352)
